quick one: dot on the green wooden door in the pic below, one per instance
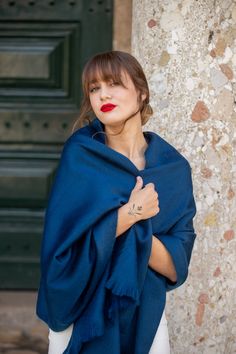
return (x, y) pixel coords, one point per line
(43, 47)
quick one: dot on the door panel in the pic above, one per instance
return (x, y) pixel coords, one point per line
(43, 48)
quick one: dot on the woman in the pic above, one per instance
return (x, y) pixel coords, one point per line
(100, 292)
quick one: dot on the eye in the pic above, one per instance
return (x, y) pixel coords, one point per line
(93, 89)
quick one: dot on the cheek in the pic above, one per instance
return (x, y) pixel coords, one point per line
(131, 100)
(93, 103)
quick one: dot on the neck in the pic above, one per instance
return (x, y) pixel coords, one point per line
(130, 142)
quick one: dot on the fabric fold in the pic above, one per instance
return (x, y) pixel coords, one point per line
(90, 277)
(82, 265)
(179, 239)
(138, 238)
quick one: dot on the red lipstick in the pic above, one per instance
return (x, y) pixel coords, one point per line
(107, 107)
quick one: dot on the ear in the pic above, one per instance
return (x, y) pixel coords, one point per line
(143, 96)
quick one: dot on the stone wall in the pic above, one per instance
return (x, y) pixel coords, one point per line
(188, 51)
(122, 24)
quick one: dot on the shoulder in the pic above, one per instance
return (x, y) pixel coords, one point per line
(170, 152)
(75, 138)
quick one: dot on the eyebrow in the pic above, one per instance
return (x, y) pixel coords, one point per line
(94, 81)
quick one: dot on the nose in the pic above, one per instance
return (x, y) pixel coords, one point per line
(104, 93)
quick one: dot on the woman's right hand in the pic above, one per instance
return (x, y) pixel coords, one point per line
(143, 202)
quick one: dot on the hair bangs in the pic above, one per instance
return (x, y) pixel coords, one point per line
(102, 69)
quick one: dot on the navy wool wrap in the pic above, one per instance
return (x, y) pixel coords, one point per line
(103, 283)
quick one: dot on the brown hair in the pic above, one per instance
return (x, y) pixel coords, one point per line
(108, 65)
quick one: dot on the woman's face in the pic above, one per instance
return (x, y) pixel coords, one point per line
(125, 99)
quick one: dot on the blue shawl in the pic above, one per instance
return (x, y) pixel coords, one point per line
(102, 283)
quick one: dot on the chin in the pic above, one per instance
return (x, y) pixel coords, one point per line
(109, 119)
(114, 123)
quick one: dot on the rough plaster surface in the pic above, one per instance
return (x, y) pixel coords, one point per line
(188, 51)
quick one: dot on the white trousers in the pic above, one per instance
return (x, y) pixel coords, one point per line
(58, 341)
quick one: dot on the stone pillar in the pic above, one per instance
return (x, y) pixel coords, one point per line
(188, 51)
(122, 24)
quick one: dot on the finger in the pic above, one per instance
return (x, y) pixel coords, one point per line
(150, 184)
(139, 183)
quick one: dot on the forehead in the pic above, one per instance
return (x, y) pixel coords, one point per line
(98, 75)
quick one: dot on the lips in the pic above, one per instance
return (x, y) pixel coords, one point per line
(107, 107)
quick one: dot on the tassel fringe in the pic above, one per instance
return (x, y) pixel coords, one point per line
(120, 298)
(118, 290)
(90, 331)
